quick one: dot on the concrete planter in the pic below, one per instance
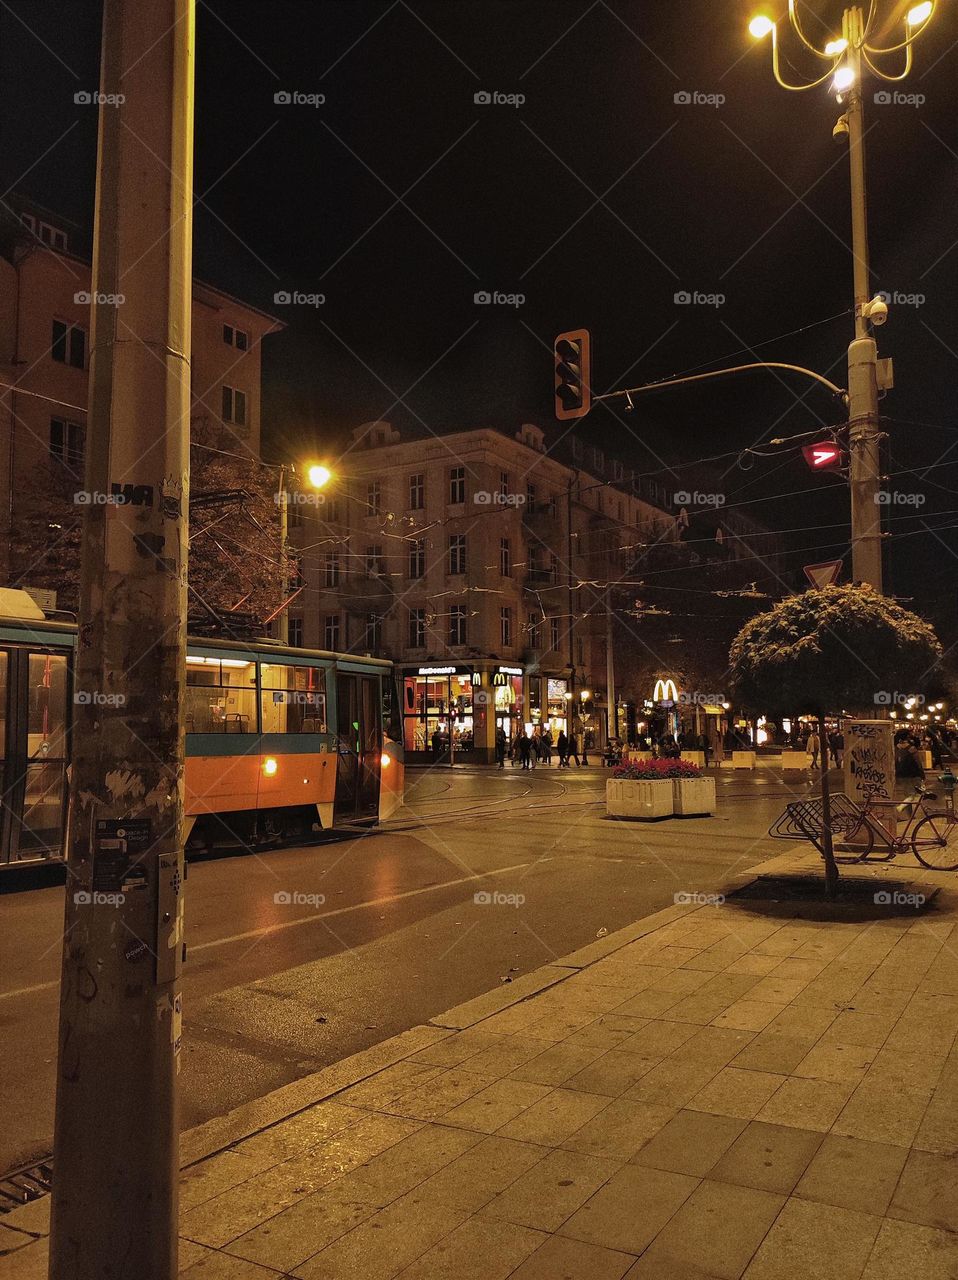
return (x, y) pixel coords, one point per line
(695, 757)
(693, 795)
(795, 760)
(743, 759)
(642, 799)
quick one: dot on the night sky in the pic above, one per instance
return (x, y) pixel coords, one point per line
(598, 198)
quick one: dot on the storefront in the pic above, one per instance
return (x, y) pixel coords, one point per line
(507, 691)
(439, 711)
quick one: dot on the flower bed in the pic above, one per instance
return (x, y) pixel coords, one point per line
(655, 770)
(647, 789)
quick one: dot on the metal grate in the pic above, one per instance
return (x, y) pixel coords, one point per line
(21, 1186)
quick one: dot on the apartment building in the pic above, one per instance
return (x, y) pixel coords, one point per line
(472, 560)
(45, 315)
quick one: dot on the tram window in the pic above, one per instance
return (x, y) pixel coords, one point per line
(220, 695)
(46, 727)
(293, 699)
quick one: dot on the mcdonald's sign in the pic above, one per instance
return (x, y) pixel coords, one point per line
(665, 693)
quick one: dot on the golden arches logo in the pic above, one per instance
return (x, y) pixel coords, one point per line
(665, 691)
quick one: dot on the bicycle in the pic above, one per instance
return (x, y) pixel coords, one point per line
(931, 835)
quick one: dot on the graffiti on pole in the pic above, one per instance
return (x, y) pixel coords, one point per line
(869, 759)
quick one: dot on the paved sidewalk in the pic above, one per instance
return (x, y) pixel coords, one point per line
(720, 1091)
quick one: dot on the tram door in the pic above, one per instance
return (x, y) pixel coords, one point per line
(33, 749)
(360, 733)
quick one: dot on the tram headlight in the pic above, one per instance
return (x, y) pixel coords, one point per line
(270, 766)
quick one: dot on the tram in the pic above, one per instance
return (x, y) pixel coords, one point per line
(280, 742)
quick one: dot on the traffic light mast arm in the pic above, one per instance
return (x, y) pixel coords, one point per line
(722, 373)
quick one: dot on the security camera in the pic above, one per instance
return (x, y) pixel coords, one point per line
(840, 132)
(876, 311)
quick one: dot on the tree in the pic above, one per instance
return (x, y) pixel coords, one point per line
(841, 648)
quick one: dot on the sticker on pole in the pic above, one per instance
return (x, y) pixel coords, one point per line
(823, 574)
(118, 845)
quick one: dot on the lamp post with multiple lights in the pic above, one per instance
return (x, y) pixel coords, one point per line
(847, 58)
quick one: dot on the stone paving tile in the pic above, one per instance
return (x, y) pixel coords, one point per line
(380, 1247)
(768, 1157)
(798, 970)
(500, 1059)
(748, 1015)
(220, 1266)
(218, 1174)
(658, 1038)
(477, 1250)
(382, 1089)
(692, 1142)
(777, 988)
(430, 1101)
(402, 1167)
(458, 1047)
(620, 1129)
(563, 1259)
(880, 1114)
(631, 1209)
(832, 1060)
(29, 1263)
(731, 986)
(555, 1117)
(189, 1253)
(754, 963)
(613, 1073)
(552, 1190)
(494, 1106)
(651, 1267)
(853, 1174)
(681, 981)
(870, 1030)
(717, 1229)
(939, 1127)
(927, 1192)
(700, 1008)
(906, 1249)
(650, 1004)
(908, 1069)
(815, 1240)
(713, 1044)
(673, 1082)
(807, 1104)
(796, 1021)
(557, 1064)
(480, 1173)
(772, 1052)
(300, 1231)
(737, 1093)
(301, 1132)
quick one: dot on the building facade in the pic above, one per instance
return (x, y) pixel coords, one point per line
(45, 323)
(480, 563)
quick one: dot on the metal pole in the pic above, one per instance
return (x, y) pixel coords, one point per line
(115, 1151)
(283, 619)
(613, 711)
(571, 609)
(864, 437)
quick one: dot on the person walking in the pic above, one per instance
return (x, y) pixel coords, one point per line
(517, 747)
(436, 743)
(562, 749)
(836, 745)
(813, 746)
(572, 753)
(588, 744)
(525, 750)
(501, 745)
(547, 747)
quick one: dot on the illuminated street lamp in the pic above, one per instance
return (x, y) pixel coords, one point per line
(847, 56)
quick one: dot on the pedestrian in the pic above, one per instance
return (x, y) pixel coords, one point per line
(501, 745)
(562, 749)
(588, 744)
(525, 750)
(572, 753)
(547, 746)
(813, 746)
(516, 747)
(436, 743)
(836, 744)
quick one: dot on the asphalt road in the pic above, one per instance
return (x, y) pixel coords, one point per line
(386, 932)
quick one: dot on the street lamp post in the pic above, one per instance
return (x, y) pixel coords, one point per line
(847, 58)
(318, 476)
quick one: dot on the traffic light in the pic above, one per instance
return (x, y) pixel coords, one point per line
(573, 391)
(825, 455)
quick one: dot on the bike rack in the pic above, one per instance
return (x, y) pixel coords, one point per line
(802, 819)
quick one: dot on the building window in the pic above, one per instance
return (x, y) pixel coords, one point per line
(52, 236)
(553, 506)
(505, 558)
(296, 632)
(457, 553)
(297, 579)
(554, 634)
(457, 624)
(331, 509)
(457, 485)
(417, 628)
(503, 484)
(530, 496)
(417, 558)
(67, 443)
(331, 631)
(237, 338)
(553, 567)
(534, 620)
(505, 626)
(374, 632)
(294, 514)
(234, 406)
(417, 492)
(374, 498)
(330, 570)
(374, 562)
(68, 345)
(617, 470)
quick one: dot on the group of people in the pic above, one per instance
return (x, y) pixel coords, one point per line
(811, 743)
(528, 750)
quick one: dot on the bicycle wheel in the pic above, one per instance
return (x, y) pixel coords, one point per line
(860, 835)
(935, 841)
